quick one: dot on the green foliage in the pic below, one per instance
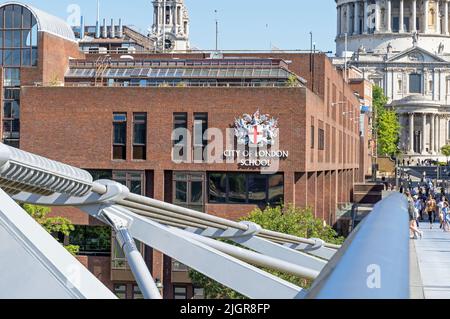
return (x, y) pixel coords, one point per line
(445, 150)
(292, 81)
(52, 225)
(386, 124)
(284, 219)
(74, 250)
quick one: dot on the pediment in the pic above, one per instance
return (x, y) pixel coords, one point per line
(416, 55)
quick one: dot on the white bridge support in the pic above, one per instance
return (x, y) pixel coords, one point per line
(33, 265)
(185, 235)
(232, 272)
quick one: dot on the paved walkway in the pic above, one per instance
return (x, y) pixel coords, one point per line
(433, 259)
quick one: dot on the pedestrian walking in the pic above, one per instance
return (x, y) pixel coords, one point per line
(413, 215)
(431, 209)
(446, 217)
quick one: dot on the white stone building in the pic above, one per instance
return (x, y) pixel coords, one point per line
(409, 60)
(170, 30)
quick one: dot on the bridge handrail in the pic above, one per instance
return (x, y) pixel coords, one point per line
(375, 257)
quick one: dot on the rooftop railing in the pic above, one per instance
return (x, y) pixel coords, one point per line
(173, 84)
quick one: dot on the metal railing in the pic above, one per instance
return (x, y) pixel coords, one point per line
(374, 261)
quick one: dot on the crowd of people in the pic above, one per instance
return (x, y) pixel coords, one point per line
(427, 203)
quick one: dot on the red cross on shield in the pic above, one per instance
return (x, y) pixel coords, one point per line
(255, 135)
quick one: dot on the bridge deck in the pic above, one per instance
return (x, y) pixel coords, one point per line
(433, 259)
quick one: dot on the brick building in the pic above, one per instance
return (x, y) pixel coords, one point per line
(115, 115)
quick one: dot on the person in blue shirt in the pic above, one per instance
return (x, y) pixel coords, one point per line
(446, 217)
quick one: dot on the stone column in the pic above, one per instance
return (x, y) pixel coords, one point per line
(438, 18)
(348, 19)
(446, 123)
(411, 133)
(365, 19)
(377, 16)
(356, 19)
(424, 127)
(413, 25)
(401, 17)
(425, 16)
(446, 17)
(436, 134)
(389, 16)
(432, 133)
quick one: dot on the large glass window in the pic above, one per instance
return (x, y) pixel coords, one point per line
(245, 188)
(19, 36)
(18, 47)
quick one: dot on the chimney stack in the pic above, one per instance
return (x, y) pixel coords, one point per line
(82, 28)
(97, 25)
(105, 30)
(120, 35)
(113, 31)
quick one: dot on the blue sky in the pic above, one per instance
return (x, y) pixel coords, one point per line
(244, 24)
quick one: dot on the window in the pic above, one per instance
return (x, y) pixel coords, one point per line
(237, 188)
(100, 174)
(400, 86)
(118, 260)
(200, 140)
(120, 290)
(415, 83)
(11, 116)
(19, 31)
(321, 139)
(199, 293)
(137, 294)
(179, 144)
(133, 180)
(395, 24)
(120, 136)
(92, 240)
(188, 190)
(177, 266)
(430, 86)
(140, 136)
(312, 136)
(179, 292)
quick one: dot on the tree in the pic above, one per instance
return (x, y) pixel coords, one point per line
(53, 225)
(445, 150)
(386, 124)
(284, 219)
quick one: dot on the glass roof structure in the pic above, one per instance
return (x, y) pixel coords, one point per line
(47, 22)
(179, 73)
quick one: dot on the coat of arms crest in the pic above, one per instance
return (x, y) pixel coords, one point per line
(257, 129)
